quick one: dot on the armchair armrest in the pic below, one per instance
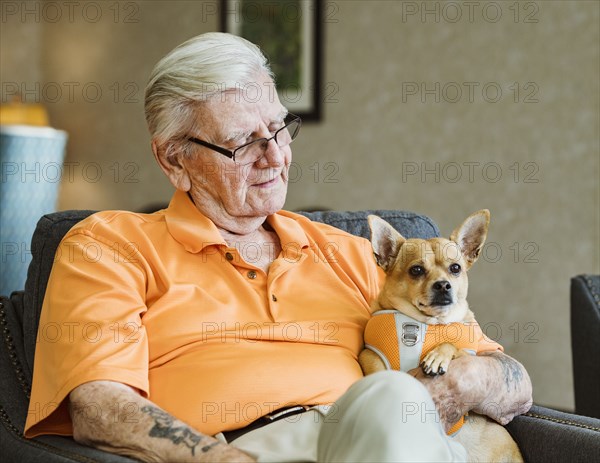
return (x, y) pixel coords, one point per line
(547, 435)
(585, 333)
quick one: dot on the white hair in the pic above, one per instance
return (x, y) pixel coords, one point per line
(198, 69)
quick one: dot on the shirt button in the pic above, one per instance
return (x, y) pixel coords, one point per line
(252, 274)
(229, 256)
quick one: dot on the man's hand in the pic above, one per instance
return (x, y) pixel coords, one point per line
(491, 384)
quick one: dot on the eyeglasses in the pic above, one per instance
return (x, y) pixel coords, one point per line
(254, 150)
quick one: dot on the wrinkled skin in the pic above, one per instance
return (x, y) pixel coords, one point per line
(491, 384)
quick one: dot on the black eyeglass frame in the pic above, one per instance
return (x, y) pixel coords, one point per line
(289, 119)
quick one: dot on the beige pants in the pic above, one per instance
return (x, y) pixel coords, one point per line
(385, 417)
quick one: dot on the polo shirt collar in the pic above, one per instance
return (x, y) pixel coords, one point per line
(194, 231)
(291, 235)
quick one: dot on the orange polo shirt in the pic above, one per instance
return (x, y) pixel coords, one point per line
(161, 303)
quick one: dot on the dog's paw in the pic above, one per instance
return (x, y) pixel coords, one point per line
(436, 362)
(433, 369)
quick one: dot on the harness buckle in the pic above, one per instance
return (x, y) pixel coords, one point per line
(410, 334)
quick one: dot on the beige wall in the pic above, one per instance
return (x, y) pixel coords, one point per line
(531, 157)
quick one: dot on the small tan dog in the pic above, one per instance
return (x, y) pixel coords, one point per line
(421, 317)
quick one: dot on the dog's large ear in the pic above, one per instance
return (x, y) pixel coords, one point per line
(471, 235)
(386, 242)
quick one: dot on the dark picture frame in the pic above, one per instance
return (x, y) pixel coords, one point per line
(289, 32)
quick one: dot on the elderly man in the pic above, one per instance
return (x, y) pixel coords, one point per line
(225, 329)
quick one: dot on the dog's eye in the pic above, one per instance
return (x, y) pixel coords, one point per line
(455, 269)
(416, 270)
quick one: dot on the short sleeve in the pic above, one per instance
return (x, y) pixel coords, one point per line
(90, 328)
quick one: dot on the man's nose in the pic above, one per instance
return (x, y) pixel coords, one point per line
(272, 154)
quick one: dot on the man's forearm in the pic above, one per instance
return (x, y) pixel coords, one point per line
(491, 384)
(113, 417)
(509, 389)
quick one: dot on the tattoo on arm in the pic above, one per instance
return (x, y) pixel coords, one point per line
(513, 372)
(164, 427)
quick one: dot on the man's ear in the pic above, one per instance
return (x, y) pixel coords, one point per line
(471, 235)
(172, 166)
(386, 242)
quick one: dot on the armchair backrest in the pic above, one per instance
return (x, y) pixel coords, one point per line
(52, 227)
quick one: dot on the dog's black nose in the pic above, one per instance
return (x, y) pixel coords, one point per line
(443, 286)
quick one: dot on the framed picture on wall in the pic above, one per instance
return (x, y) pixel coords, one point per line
(289, 32)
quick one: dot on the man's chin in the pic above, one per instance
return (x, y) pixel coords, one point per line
(269, 202)
(271, 208)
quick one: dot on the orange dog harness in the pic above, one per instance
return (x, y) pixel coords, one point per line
(393, 336)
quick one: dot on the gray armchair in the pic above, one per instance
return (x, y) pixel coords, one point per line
(542, 434)
(585, 337)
